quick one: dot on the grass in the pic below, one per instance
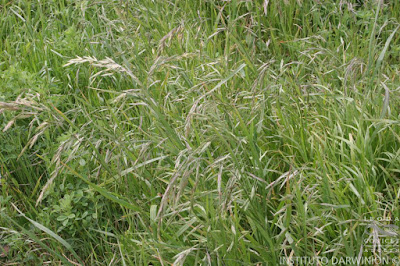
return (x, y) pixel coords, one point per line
(197, 132)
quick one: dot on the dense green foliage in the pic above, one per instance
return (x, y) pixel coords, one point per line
(196, 132)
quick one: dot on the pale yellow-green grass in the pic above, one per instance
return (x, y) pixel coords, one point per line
(198, 132)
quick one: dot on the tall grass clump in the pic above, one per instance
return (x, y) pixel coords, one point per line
(198, 132)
